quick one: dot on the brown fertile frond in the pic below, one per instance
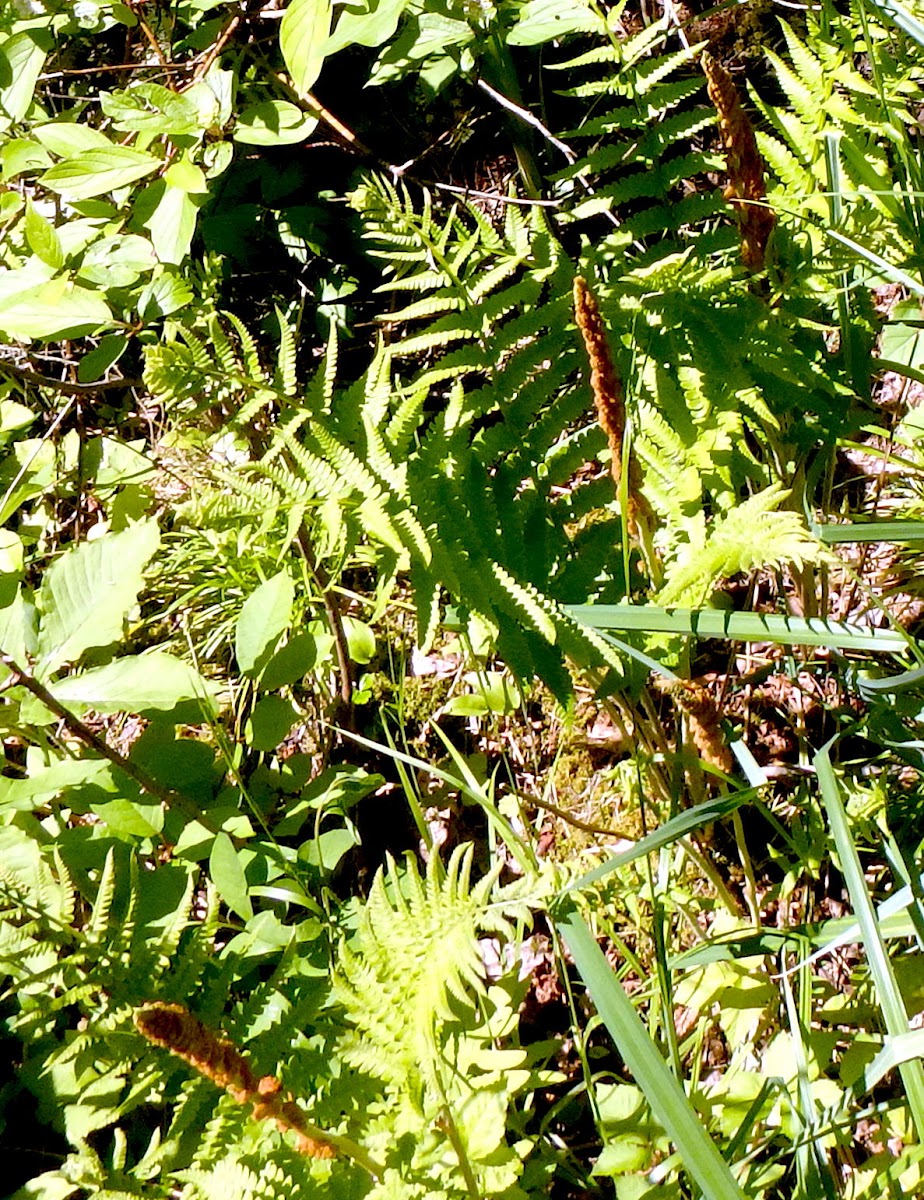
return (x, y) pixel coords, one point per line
(609, 399)
(217, 1058)
(699, 706)
(746, 188)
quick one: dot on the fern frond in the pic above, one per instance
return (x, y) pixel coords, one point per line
(753, 534)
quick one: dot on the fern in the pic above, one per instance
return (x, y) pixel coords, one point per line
(752, 535)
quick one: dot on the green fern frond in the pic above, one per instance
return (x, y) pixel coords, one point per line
(284, 377)
(753, 534)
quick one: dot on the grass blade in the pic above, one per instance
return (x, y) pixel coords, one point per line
(739, 626)
(662, 1090)
(891, 1004)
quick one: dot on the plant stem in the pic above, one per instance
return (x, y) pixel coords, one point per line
(168, 796)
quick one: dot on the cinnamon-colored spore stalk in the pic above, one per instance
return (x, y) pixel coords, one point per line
(746, 188)
(609, 400)
(217, 1058)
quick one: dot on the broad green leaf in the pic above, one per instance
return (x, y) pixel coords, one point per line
(291, 663)
(166, 294)
(88, 592)
(542, 21)
(151, 108)
(56, 309)
(67, 139)
(360, 640)
(371, 26)
(20, 155)
(129, 820)
(22, 57)
(303, 40)
(142, 683)
(327, 849)
(270, 721)
(96, 172)
(117, 261)
(228, 876)
(186, 176)
(266, 614)
(170, 214)
(42, 238)
(94, 365)
(273, 123)
(492, 692)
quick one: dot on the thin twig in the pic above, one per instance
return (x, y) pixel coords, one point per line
(525, 115)
(71, 722)
(203, 68)
(496, 197)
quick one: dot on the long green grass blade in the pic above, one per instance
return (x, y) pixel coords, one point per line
(826, 936)
(870, 531)
(671, 831)
(888, 270)
(891, 1004)
(897, 1050)
(739, 627)
(662, 1090)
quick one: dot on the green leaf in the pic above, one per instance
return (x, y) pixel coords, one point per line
(56, 309)
(265, 616)
(303, 40)
(493, 692)
(360, 640)
(126, 819)
(42, 238)
(270, 721)
(326, 850)
(228, 876)
(67, 139)
(94, 365)
(22, 57)
(166, 294)
(273, 123)
(371, 26)
(170, 214)
(291, 663)
(151, 108)
(88, 592)
(155, 682)
(96, 172)
(117, 261)
(543, 20)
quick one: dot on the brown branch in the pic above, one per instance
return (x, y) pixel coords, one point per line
(60, 385)
(168, 796)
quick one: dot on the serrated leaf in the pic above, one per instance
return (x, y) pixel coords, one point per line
(303, 40)
(88, 592)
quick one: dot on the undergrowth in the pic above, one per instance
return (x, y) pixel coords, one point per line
(461, 712)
